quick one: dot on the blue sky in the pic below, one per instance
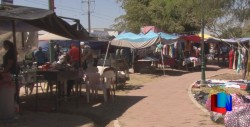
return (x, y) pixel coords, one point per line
(103, 11)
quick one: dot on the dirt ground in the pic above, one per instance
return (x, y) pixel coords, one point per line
(82, 114)
(227, 77)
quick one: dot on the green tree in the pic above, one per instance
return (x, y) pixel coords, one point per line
(183, 15)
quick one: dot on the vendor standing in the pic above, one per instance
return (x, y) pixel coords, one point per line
(74, 61)
(10, 58)
(74, 56)
(40, 57)
(9, 67)
(87, 57)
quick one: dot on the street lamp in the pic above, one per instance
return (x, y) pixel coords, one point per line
(203, 67)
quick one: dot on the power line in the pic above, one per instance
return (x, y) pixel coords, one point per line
(91, 8)
(61, 8)
(102, 17)
(36, 2)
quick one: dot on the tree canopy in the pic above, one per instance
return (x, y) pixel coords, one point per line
(183, 16)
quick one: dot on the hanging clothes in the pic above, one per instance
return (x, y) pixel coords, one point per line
(231, 58)
(180, 50)
(239, 61)
(244, 62)
(248, 63)
(164, 50)
(176, 49)
(170, 51)
(167, 50)
(173, 51)
(235, 60)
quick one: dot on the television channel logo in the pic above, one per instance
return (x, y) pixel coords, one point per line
(221, 102)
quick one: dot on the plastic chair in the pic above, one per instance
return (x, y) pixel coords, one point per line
(109, 77)
(93, 84)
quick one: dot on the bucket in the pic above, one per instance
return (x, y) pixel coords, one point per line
(7, 103)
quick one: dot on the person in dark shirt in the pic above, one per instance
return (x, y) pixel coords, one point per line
(10, 58)
(40, 57)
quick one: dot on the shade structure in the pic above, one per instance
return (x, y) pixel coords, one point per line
(231, 41)
(50, 36)
(137, 41)
(34, 19)
(236, 40)
(206, 36)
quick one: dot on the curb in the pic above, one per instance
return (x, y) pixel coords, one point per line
(195, 102)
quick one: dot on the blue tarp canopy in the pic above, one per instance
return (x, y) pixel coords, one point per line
(131, 40)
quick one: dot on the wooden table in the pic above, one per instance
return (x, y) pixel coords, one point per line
(57, 76)
(145, 64)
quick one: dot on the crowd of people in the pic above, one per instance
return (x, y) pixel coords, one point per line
(78, 57)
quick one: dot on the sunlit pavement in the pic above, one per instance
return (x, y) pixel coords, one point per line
(167, 103)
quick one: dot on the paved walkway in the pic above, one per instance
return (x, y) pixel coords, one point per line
(167, 103)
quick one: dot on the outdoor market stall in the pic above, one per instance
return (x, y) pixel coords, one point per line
(191, 48)
(25, 19)
(142, 41)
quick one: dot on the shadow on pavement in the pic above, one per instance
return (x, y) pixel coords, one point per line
(103, 113)
(129, 87)
(209, 68)
(97, 111)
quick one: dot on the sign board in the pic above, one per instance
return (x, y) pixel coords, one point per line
(7, 2)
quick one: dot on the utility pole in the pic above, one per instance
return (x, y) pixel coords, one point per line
(203, 66)
(89, 25)
(89, 12)
(51, 49)
(51, 5)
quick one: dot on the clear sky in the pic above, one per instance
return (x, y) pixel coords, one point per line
(103, 12)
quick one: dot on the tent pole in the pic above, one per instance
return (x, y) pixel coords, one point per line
(80, 55)
(133, 59)
(16, 75)
(50, 51)
(106, 54)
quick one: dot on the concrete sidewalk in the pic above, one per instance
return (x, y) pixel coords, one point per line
(167, 103)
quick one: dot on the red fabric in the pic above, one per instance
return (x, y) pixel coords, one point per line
(193, 38)
(231, 58)
(243, 87)
(74, 54)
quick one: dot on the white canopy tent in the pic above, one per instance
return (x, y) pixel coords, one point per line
(50, 36)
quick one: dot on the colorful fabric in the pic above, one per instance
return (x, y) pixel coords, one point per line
(240, 115)
(231, 59)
